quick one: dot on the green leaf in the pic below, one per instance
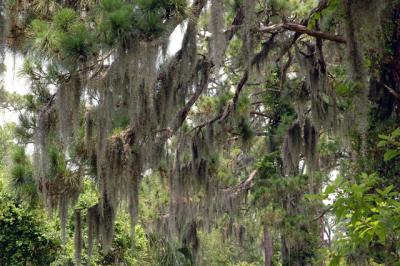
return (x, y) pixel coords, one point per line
(390, 154)
(329, 189)
(382, 143)
(396, 133)
(385, 137)
(313, 197)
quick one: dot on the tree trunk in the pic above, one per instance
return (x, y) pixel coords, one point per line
(78, 237)
(268, 249)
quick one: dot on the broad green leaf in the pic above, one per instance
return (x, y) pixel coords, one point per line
(396, 133)
(385, 137)
(390, 154)
(382, 143)
(329, 189)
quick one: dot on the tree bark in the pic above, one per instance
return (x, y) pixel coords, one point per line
(78, 238)
(268, 249)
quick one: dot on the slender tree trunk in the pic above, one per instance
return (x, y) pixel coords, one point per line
(285, 253)
(268, 249)
(78, 237)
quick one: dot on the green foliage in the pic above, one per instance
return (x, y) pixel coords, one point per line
(267, 174)
(65, 39)
(244, 129)
(64, 19)
(392, 142)
(24, 238)
(327, 146)
(153, 197)
(121, 253)
(124, 22)
(218, 249)
(122, 250)
(292, 6)
(58, 166)
(6, 144)
(117, 22)
(151, 24)
(172, 5)
(326, 17)
(370, 215)
(22, 182)
(86, 37)
(275, 190)
(76, 42)
(89, 195)
(346, 89)
(120, 123)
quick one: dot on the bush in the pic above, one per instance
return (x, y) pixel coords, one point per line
(24, 239)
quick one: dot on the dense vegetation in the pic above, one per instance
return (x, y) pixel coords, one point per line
(271, 137)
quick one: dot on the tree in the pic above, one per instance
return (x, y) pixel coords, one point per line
(235, 136)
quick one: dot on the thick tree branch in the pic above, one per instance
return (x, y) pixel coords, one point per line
(183, 113)
(244, 185)
(237, 21)
(301, 29)
(239, 87)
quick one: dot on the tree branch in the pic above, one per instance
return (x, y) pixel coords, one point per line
(392, 91)
(183, 113)
(244, 185)
(301, 29)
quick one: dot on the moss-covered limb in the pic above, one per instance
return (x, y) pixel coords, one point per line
(236, 23)
(204, 68)
(239, 18)
(178, 77)
(255, 61)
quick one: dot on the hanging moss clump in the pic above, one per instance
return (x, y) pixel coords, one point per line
(291, 149)
(68, 110)
(218, 39)
(310, 145)
(111, 183)
(322, 98)
(300, 141)
(357, 71)
(177, 77)
(93, 220)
